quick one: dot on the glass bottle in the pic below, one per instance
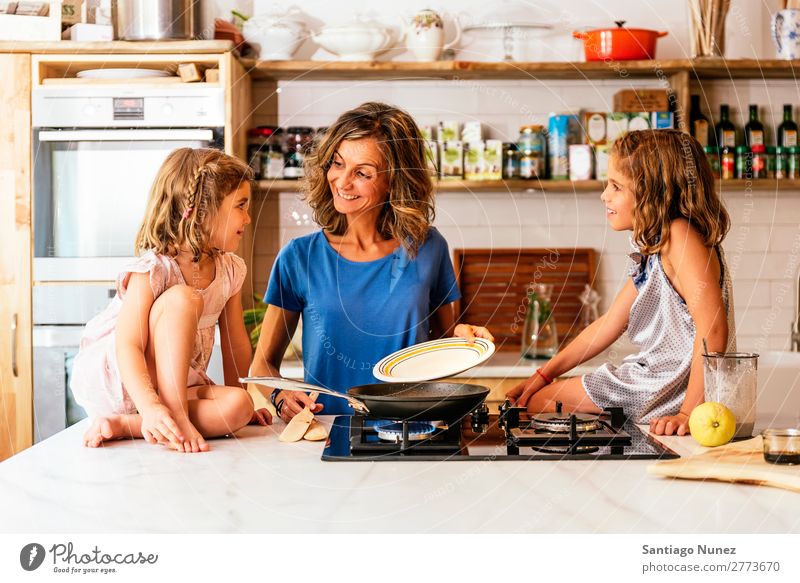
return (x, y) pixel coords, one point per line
(743, 162)
(727, 164)
(781, 162)
(510, 161)
(725, 132)
(297, 141)
(787, 131)
(539, 334)
(758, 161)
(754, 130)
(712, 153)
(699, 122)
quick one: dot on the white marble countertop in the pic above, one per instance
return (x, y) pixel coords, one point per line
(254, 483)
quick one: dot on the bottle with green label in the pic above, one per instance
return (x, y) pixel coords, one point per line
(787, 131)
(754, 130)
(725, 132)
(698, 122)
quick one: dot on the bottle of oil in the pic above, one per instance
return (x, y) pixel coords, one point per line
(699, 122)
(725, 132)
(754, 130)
(787, 131)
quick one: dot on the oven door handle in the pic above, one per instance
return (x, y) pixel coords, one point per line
(126, 135)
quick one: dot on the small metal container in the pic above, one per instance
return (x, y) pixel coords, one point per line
(156, 19)
(782, 446)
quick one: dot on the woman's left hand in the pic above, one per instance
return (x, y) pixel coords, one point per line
(261, 417)
(670, 424)
(471, 332)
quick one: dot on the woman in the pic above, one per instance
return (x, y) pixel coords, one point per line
(377, 277)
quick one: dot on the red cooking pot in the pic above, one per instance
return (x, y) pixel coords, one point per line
(619, 44)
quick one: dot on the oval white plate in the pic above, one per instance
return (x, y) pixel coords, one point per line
(431, 360)
(120, 73)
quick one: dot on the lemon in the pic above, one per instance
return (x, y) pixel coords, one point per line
(712, 424)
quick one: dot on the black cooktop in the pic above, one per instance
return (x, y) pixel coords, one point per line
(509, 435)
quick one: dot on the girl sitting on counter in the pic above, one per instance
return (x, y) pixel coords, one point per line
(141, 367)
(660, 187)
(377, 277)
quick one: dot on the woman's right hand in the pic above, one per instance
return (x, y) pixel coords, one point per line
(158, 426)
(521, 393)
(290, 403)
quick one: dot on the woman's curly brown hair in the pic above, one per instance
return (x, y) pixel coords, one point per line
(671, 179)
(409, 210)
(185, 196)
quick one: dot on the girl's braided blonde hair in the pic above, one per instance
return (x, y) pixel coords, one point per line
(184, 199)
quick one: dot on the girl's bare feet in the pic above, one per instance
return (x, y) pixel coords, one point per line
(105, 428)
(193, 441)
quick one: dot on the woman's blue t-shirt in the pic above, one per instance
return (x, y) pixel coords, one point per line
(355, 313)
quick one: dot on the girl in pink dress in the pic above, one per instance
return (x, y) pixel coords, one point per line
(141, 368)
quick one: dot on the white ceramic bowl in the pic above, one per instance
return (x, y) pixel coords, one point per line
(354, 43)
(274, 42)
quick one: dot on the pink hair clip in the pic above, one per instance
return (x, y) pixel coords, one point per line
(187, 212)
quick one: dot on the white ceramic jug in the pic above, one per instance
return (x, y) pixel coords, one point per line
(786, 33)
(424, 35)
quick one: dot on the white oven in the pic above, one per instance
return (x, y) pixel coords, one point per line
(96, 151)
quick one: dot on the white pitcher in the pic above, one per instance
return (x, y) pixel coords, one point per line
(424, 35)
(786, 33)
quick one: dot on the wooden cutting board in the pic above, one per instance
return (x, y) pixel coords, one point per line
(742, 461)
(494, 285)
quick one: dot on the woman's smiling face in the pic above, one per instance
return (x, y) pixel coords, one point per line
(618, 197)
(358, 179)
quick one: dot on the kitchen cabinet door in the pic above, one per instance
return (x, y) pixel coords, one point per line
(16, 403)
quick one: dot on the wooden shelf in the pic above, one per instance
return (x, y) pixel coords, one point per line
(66, 47)
(470, 185)
(596, 186)
(453, 70)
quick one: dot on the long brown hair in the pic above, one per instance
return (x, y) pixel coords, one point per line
(671, 179)
(409, 210)
(185, 197)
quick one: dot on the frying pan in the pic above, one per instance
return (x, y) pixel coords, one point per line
(423, 401)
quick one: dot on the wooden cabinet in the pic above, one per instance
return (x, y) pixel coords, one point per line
(16, 404)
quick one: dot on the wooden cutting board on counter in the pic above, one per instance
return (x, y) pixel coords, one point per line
(494, 285)
(742, 461)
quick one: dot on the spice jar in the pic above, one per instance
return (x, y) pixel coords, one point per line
(510, 160)
(531, 151)
(781, 162)
(759, 161)
(793, 163)
(257, 141)
(712, 153)
(743, 165)
(272, 156)
(298, 140)
(727, 163)
(771, 161)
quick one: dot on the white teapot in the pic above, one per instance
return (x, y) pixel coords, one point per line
(424, 35)
(359, 40)
(276, 34)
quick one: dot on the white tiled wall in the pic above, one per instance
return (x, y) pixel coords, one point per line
(763, 247)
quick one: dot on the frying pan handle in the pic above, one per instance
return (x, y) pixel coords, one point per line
(290, 385)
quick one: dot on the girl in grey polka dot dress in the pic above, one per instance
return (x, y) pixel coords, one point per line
(661, 188)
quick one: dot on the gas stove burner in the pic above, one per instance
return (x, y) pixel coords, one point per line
(559, 422)
(393, 432)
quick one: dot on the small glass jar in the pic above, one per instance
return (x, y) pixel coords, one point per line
(510, 161)
(793, 163)
(712, 153)
(759, 161)
(743, 162)
(257, 142)
(781, 446)
(298, 140)
(272, 157)
(531, 137)
(771, 161)
(781, 162)
(727, 163)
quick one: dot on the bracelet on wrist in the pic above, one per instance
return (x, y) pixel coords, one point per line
(546, 378)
